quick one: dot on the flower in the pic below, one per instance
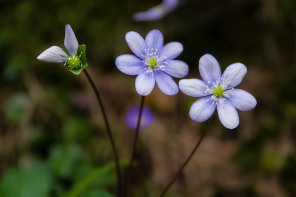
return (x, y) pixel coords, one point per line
(157, 12)
(216, 90)
(152, 62)
(132, 115)
(73, 56)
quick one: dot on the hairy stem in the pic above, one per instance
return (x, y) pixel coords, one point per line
(108, 131)
(183, 165)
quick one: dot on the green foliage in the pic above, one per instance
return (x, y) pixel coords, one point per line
(14, 108)
(34, 181)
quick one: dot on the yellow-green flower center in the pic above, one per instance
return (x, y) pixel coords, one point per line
(218, 91)
(73, 62)
(153, 62)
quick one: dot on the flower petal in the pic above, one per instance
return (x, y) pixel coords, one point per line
(166, 83)
(53, 54)
(234, 74)
(136, 43)
(129, 64)
(170, 5)
(202, 109)
(227, 114)
(145, 83)
(171, 50)
(209, 68)
(152, 14)
(176, 68)
(70, 42)
(193, 87)
(242, 100)
(154, 39)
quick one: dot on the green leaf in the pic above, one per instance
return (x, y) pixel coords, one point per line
(81, 54)
(81, 186)
(31, 182)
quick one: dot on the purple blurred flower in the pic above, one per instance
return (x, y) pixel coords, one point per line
(157, 12)
(216, 90)
(152, 62)
(131, 118)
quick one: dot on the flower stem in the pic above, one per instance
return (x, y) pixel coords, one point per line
(134, 146)
(183, 165)
(108, 131)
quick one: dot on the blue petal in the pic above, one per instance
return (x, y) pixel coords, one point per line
(53, 54)
(234, 74)
(227, 114)
(166, 83)
(176, 68)
(70, 42)
(193, 87)
(154, 39)
(145, 83)
(242, 100)
(136, 43)
(170, 5)
(171, 50)
(209, 68)
(132, 116)
(202, 109)
(130, 64)
(152, 14)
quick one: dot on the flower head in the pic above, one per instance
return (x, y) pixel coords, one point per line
(131, 118)
(73, 56)
(216, 90)
(152, 62)
(157, 12)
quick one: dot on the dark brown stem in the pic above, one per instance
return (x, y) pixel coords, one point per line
(134, 147)
(108, 131)
(183, 165)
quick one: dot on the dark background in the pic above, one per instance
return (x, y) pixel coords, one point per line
(52, 135)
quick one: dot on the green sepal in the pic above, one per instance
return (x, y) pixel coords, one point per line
(82, 56)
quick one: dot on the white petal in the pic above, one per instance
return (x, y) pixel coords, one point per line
(154, 39)
(209, 68)
(176, 68)
(166, 83)
(70, 42)
(202, 109)
(171, 50)
(145, 83)
(53, 54)
(136, 43)
(234, 74)
(242, 100)
(193, 87)
(130, 64)
(227, 114)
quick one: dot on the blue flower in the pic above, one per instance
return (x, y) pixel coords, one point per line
(73, 56)
(152, 62)
(157, 12)
(216, 90)
(131, 118)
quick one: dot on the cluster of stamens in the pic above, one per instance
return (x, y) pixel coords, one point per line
(217, 89)
(152, 61)
(73, 62)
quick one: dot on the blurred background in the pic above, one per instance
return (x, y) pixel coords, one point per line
(53, 140)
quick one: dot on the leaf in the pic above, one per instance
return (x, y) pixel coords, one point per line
(79, 187)
(30, 182)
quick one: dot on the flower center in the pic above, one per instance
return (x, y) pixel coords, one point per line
(218, 91)
(73, 62)
(153, 62)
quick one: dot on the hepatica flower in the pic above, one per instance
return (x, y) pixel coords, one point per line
(152, 62)
(73, 56)
(157, 12)
(132, 115)
(218, 90)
